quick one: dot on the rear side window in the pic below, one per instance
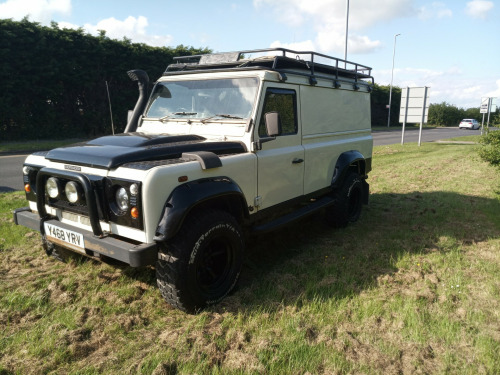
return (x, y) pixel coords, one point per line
(284, 102)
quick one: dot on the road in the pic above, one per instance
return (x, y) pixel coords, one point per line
(11, 177)
(382, 138)
(11, 165)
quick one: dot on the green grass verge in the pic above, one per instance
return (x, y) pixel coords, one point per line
(466, 138)
(413, 287)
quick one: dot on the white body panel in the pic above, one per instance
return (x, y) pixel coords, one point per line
(333, 121)
(161, 181)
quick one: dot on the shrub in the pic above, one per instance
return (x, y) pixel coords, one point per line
(490, 148)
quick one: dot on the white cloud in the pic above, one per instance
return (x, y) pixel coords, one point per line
(435, 10)
(478, 8)
(45, 10)
(37, 10)
(132, 28)
(67, 25)
(495, 93)
(450, 85)
(307, 45)
(328, 20)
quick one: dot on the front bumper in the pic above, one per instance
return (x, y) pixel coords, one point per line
(136, 255)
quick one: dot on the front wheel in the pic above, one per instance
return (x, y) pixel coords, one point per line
(202, 263)
(348, 202)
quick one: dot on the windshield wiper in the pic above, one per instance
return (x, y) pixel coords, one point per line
(177, 114)
(222, 115)
(185, 113)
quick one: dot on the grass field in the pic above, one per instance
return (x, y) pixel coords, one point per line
(412, 288)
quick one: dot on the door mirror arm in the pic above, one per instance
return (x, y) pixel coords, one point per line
(258, 144)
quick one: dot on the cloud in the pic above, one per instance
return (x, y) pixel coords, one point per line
(45, 11)
(132, 28)
(435, 10)
(37, 10)
(495, 92)
(307, 45)
(449, 85)
(328, 20)
(478, 8)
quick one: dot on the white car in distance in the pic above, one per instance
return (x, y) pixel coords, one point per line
(469, 124)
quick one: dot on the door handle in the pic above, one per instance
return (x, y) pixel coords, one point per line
(297, 161)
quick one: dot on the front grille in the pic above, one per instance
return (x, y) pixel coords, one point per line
(97, 199)
(67, 206)
(90, 206)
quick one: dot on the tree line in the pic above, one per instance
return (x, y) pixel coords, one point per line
(54, 83)
(440, 114)
(54, 80)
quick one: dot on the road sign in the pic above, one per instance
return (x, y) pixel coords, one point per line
(414, 108)
(414, 102)
(485, 103)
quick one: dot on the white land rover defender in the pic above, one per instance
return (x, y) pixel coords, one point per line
(225, 145)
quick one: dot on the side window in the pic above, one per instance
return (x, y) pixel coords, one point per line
(284, 102)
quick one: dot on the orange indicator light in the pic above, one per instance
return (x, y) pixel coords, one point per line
(134, 212)
(27, 188)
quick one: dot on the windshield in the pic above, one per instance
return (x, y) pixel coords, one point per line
(203, 99)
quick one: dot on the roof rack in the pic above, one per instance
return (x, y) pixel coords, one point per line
(284, 61)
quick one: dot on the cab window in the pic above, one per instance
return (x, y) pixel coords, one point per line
(284, 102)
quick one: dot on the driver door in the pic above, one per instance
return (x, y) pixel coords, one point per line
(281, 161)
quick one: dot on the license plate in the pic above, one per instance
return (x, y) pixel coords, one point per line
(65, 237)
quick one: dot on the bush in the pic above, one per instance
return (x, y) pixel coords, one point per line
(490, 148)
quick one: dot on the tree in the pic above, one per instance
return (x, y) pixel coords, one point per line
(379, 101)
(445, 114)
(54, 80)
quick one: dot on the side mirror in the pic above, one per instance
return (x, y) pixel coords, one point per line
(273, 124)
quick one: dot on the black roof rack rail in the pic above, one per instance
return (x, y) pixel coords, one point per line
(282, 60)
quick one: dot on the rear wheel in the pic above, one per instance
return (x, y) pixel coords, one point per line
(202, 263)
(348, 202)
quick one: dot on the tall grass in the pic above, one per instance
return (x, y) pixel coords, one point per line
(413, 287)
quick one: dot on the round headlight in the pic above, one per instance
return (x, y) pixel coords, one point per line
(52, 187)
(134, 189)
(72, 193)
(26, 170)
(121, 198)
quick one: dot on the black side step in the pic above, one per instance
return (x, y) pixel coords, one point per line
(281, 221)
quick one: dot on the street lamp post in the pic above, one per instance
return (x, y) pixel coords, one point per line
(392, 76)
(346, 31)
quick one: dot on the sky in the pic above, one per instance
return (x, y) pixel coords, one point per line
(451, 46)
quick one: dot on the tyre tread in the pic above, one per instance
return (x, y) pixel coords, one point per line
(173, 258)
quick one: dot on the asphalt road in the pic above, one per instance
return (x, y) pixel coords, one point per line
(381, 138)
(11, 176)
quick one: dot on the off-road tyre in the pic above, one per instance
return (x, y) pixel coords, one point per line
(202, 263)
(348, 202)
